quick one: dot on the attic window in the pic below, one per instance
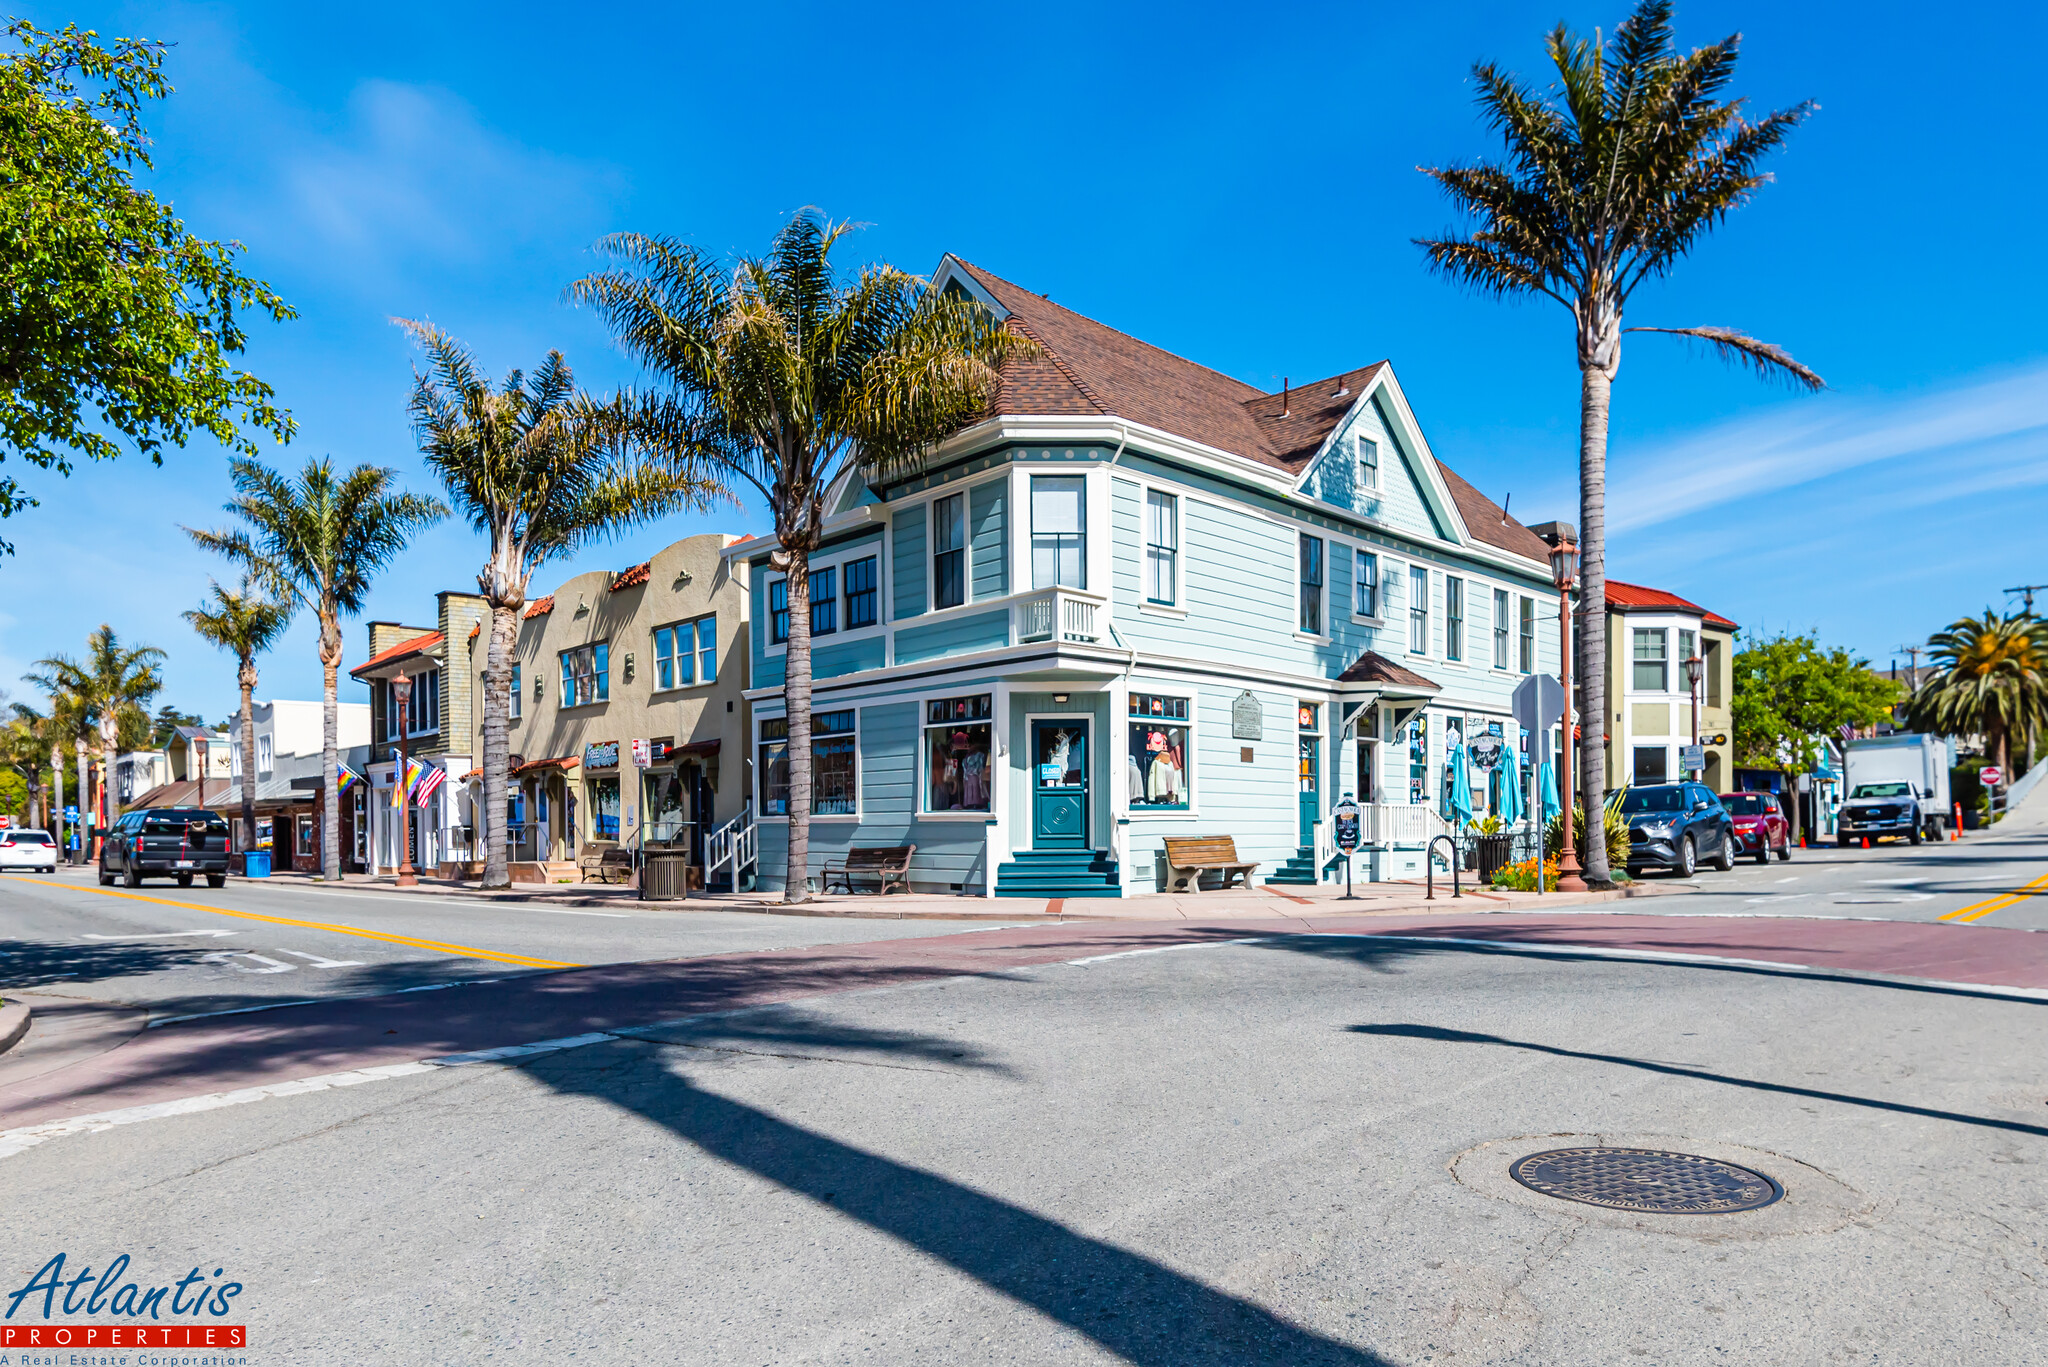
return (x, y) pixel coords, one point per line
(1368, 463)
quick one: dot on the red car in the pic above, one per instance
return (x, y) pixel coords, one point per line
(1760, 825)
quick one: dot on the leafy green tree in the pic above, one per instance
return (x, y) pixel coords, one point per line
(244, 621)
(1990, 679)
(541, 471)
(318, 541)
(1791, 694)
(783, 373)
(115, 322)
(1605, 186)
(168, 720)
(108, 689)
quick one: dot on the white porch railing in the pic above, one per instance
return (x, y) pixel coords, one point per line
(731, 847)
(1062, 614)
(1396, 823)
(1326, 846)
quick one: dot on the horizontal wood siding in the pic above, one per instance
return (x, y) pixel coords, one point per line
(768, 669)
(907, 561)
(847, 657)
(955, 636)
(990, 544)
(1402, 503)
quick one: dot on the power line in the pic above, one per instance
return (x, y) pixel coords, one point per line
(2027, 592)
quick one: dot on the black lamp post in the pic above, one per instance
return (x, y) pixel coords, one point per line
(1693, 666)
(401, 690)
(1564, 570)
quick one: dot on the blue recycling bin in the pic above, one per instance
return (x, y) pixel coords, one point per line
(256, 864)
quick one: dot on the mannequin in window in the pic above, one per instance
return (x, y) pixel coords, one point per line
(1163, 779)
(973, 772)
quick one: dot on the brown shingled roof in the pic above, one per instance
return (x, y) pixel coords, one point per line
(1088, 367)
(1373, 667)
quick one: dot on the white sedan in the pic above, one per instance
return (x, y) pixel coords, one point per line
(28, 850)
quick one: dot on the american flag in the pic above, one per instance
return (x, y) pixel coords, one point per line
(428, 778)
(1846, 732)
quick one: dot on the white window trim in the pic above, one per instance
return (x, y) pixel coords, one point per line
(1375, 619)
(562, 703)
(1097, 566)
(1463, 618)
(1324, 636)
(931, 546)
(1193, 693)
(1147, 488)
(996, 769)
(1360, 441)
(655, 690)
(830, 560)
(860, 787)
(1428, 614)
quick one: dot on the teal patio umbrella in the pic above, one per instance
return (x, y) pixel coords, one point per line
(1510, 787)
(1548, 784)
(1461, 786)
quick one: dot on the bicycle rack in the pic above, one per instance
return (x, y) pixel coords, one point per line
(1429, 869)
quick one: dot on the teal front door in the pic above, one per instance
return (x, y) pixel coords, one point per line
(1059, 784)
(1311, 773)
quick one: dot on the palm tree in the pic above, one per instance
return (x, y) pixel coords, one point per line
(110, 689)
(248, 622)
(779, 371)
(21, 749)
(1990, 679)
(1606, 186)
(538, 468)
(318, 541)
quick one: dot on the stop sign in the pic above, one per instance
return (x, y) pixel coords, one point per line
(1991, 775)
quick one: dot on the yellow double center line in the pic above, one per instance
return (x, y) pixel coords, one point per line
(465, 951)
(1977, 911)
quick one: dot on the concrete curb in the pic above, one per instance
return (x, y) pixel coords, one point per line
(14, 1022)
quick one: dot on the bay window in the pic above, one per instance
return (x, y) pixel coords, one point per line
(1059, 532)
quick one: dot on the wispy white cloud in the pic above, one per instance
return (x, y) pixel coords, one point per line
(1972, 439)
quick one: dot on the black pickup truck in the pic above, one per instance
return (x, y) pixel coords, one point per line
(166, 842)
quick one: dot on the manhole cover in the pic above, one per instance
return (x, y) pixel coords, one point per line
(1647, 1180)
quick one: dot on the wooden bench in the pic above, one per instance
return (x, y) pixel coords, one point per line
(1187, 857)
(886, 864)
(604, 864)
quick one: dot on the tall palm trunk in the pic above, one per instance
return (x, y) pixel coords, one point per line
(57, 801)
(330, 757)
(110, 743)
(247, 678)
(1595, 383)
(796, 700)
(498, 745)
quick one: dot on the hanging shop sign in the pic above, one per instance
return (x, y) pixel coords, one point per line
(602, 754)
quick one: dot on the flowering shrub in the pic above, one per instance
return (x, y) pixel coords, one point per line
(1522, 877)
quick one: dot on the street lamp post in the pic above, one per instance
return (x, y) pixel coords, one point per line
(1693, 665)
(1564, 566)
(401, 691)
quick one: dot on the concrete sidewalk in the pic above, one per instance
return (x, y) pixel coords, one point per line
(1240, 903)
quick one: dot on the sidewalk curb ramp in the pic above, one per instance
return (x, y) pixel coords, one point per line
(14, 1022)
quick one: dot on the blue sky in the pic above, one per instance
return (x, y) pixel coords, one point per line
(1237, 185)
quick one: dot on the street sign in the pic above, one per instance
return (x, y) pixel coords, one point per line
(1691, 757)
(1538, 703)
(71, 815)
(643, 754)
(1991, 775)
(1345, 814)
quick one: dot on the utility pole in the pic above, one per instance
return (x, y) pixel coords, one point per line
(1912, 654)
(2026, 593)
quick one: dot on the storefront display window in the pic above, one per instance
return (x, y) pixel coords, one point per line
(835, 782)
(604, 809)
(958, 749)
(1156, 757)
(1418, 759)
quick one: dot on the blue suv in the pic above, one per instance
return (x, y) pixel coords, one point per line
(1673, 825)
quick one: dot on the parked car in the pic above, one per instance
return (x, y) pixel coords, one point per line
(22, 849)
(1761, 828)
(169, 842)
(1673, 825)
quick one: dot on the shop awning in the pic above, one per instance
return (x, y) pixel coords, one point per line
(695, 747)
(1392, 680)
(559, 762)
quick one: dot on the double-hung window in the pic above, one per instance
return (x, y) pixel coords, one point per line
(1501, 625)
(1162, 547)
(421, 713)
(1650, 661)
(1528, 636)
(686, 653)
(1686, 651)
(1418, 610)
(959, 748)
(861, 598)
(1368, 463)
(834, 782)
(949, 551)
(1059, 532)
(1311, 572)
(1454, 617)
(1366, 579)
(825, 601)
(586, 675)
(778, 612)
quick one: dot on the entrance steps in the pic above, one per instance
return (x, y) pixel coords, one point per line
(1058, 873)
(551, 871)
(1299, 870)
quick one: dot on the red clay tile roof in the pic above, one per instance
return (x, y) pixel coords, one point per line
(559, 762)
(1090, 368)
(541, 607)
(398, 652)
(478, 630)
(1373, 667)
(628, 578)
(1623, 595)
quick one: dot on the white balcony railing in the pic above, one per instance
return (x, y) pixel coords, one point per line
(1057, 614)
(1395, 823)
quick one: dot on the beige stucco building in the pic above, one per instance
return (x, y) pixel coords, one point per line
(1650, 635)
(655, 655)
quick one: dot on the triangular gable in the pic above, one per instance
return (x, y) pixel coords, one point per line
(1412, 493)
(850, 491)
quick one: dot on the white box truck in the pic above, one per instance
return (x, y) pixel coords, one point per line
(1897, 786)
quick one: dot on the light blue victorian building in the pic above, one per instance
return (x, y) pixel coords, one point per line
(1142, 599)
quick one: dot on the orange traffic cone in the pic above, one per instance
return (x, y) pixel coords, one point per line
(1866, 842)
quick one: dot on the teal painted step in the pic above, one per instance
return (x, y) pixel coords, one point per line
(1299, 869)
(1057, 873)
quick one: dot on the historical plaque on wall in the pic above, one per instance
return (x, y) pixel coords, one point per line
(1247, 718)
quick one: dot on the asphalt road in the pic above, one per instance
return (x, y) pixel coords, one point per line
(1291, 1152)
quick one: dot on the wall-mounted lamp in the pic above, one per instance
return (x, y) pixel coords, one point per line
(536, 690)
(629, 666)
(1059, 697)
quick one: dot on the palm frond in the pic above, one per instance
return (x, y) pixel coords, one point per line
(1765, 358)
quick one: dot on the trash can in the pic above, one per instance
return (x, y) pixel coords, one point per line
(1495, 852)
(256, 864)
(665, 875)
